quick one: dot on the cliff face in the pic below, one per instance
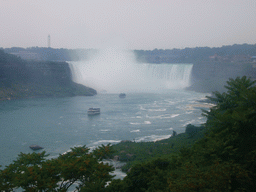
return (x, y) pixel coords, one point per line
(23, 79)
(49, 73)
(212, 76)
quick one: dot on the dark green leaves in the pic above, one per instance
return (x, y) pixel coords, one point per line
(33, 172)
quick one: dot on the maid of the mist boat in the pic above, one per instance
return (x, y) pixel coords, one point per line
(93, 111)
(122, 95)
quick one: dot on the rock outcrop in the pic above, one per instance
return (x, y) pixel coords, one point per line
(28, 79)
(35, 147)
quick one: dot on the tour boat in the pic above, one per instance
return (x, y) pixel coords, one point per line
(35, 147)
(93, 111)
(122, 95)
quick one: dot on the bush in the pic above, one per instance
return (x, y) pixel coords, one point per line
(191, 129)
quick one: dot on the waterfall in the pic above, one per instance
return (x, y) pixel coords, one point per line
(115, 71)
(141, 78)
(170, 76)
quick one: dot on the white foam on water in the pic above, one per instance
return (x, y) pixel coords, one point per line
(105, 130)
(155, 117)
(152, 138)
(135, 131)
(105, 142)
(174, 115)
(134, 123)
(189, 122)
(157, 110)
(165, 116)
(147, 122)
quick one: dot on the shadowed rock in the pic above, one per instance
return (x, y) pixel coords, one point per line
(35, 147)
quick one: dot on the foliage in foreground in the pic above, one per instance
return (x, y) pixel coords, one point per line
(223, 160)
(79, 168)
(138, 152)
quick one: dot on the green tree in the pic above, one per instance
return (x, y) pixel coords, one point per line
(33, 172)
(224, 160)
(149, 177)
(233, 120)
(216, 177)
(191, 129)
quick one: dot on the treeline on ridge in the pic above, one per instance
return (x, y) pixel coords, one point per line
(186, 55)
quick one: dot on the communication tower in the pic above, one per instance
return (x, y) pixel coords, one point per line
(49, 41)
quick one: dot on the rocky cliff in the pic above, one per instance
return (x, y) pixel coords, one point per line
(27, 79)
(212, 76)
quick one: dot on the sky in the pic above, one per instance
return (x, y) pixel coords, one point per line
(131, 24)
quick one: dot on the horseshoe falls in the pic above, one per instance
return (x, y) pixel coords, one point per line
(117, 71)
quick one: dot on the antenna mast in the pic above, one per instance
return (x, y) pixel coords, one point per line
(49, 41)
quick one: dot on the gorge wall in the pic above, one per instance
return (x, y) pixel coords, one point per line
(212, 76)
(28, 79)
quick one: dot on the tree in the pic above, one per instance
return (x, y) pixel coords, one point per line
(224, 160)
(216, 177)
(148, 176)
(231, 136)
(233, 119)
(79, 167)
(191, 129)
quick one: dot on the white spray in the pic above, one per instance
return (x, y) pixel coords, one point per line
(114, 71)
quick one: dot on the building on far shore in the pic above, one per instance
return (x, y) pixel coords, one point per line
(253, 59)
(231, 58)
(26, 55)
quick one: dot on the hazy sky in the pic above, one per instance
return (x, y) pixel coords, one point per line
(133, 24)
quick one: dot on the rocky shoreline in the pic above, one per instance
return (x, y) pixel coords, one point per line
(31, 90)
